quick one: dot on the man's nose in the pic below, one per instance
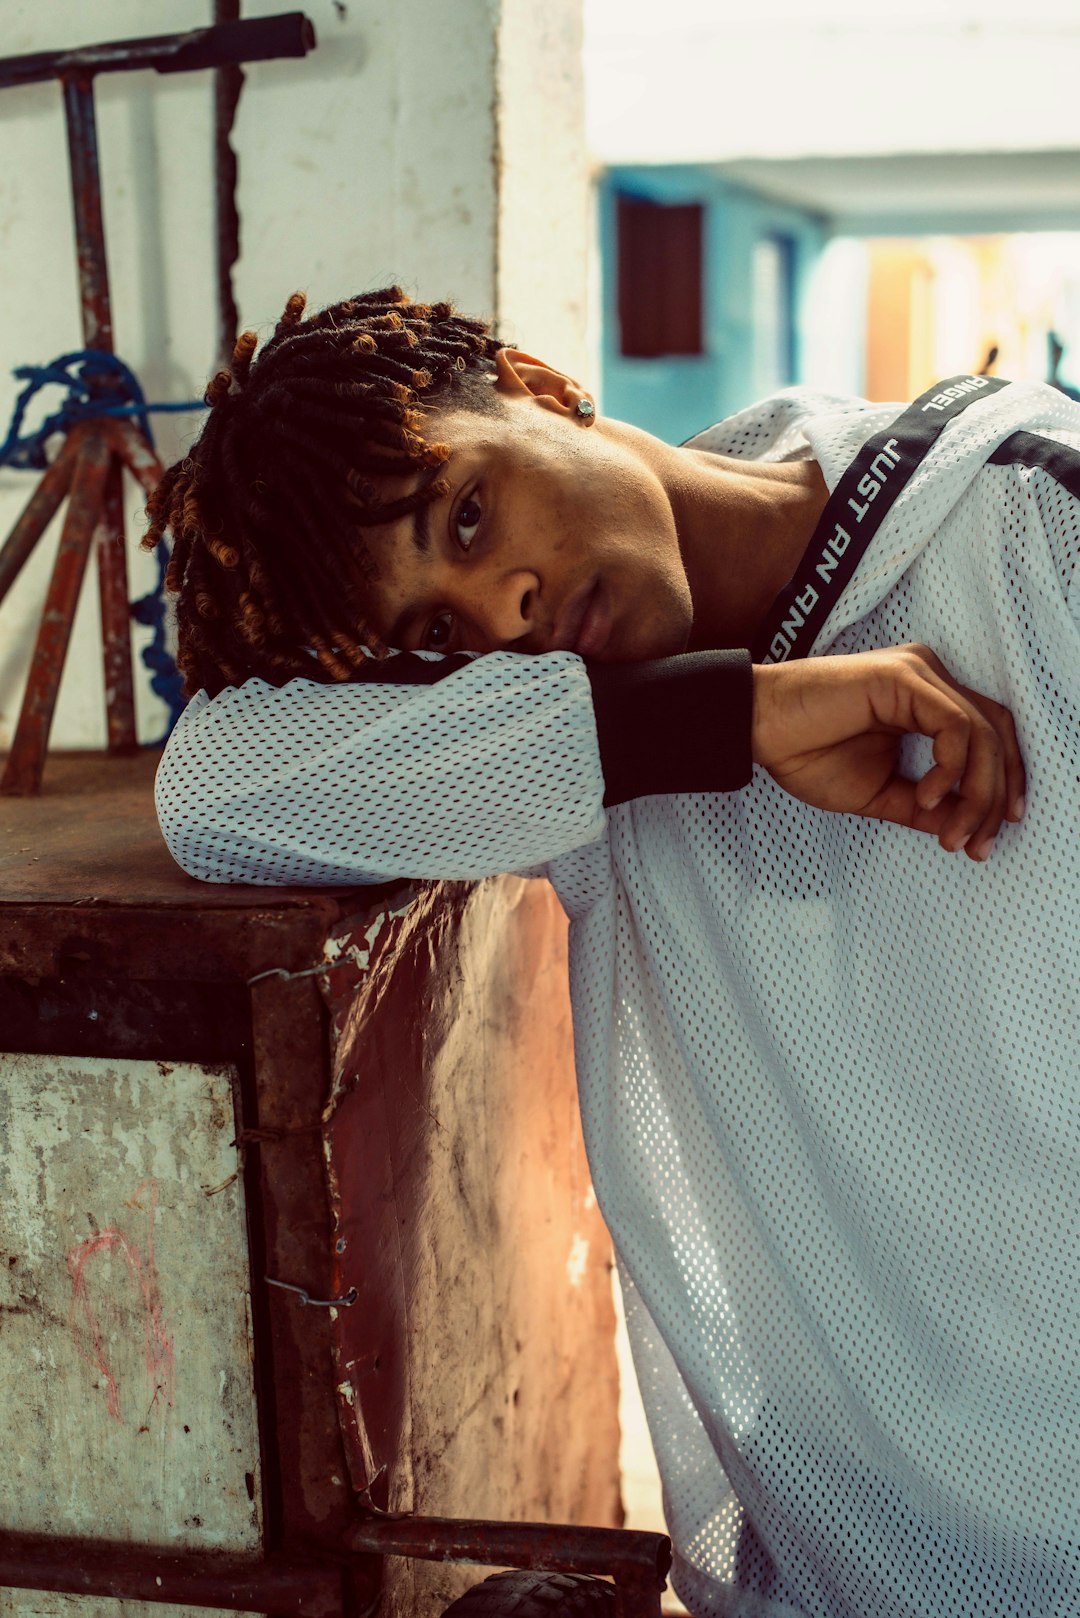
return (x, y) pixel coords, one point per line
(503, 604)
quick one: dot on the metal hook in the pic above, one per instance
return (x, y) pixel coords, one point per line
(308, 971)
(365, 1493)
(319, 1303)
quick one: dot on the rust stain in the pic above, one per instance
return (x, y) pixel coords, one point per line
(85, 1326)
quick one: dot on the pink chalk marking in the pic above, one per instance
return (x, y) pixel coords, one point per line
(87, 1332)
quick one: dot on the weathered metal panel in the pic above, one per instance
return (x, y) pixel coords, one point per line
(85, 880)
(476, 1370)
(477, 1376)
(51, 1604)
(125, 1338)
(289, 1049)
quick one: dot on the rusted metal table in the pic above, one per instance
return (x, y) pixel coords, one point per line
(366, 1095)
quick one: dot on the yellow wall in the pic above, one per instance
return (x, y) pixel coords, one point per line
(936, 306)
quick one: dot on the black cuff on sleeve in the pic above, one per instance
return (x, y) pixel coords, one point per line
(678, 724)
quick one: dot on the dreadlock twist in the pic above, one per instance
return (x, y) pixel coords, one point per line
(268, 507)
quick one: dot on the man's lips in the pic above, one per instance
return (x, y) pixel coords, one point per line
(585, 623)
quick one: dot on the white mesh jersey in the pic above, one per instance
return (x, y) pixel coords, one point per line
(829, 1074)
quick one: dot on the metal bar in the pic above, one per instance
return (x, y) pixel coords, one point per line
(130, 445)
(86, 195)
(637, 1562)
(260, 39)
(98, 333)
(228, 83)
(22, 776)
(115, 615)
(308, 1589)
(39, 512)
(552, 1547)
(637, 1596)
(290, 1232)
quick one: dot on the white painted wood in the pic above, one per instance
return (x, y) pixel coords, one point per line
(125, 1336)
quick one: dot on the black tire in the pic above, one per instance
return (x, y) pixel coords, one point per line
(536, 1595)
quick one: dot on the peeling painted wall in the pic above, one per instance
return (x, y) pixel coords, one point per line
(125, 1339)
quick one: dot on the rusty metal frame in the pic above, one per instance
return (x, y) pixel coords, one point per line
(88, 472)
(637, 1562)
(90, 467)
(258, 39)
(323, 1584)
(99, 449)
(309, 1587)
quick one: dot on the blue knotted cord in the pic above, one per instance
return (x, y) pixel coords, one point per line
(99, 384)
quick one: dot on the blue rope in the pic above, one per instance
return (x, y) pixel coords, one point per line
(99, 384)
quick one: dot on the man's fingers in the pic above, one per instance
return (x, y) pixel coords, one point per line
(899, 802)
(1015, 777)
(968, 788)
(981, 793)
(996, 750)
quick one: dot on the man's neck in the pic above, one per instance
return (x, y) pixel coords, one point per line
(743, 528)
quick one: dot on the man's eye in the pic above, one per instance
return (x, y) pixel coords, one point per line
(437, 638)
(467, 521)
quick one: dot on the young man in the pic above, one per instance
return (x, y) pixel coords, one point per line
(829, 1077)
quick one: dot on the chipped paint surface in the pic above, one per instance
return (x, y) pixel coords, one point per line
(125, 1341)
(345, 948)
(476, 1375)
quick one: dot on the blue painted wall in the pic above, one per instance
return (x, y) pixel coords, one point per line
(675, 397)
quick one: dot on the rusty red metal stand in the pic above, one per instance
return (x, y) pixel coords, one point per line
(88, 473)
(89, 469)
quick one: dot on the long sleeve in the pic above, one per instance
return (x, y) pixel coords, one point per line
(679, 724)
(451, 768)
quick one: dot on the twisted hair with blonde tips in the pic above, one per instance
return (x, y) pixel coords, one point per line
(268, 508)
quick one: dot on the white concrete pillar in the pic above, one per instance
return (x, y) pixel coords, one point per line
(544, 216)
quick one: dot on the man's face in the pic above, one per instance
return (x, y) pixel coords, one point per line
(555, 535)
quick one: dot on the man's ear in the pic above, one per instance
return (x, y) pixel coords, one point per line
(519, 373)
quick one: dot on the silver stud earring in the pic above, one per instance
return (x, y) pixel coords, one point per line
(585, 409)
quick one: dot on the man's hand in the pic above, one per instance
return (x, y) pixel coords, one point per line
(828, 731)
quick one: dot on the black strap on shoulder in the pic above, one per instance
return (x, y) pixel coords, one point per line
(1028, 449)
(854, 512)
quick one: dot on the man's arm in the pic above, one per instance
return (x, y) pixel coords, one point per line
(460, 768)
